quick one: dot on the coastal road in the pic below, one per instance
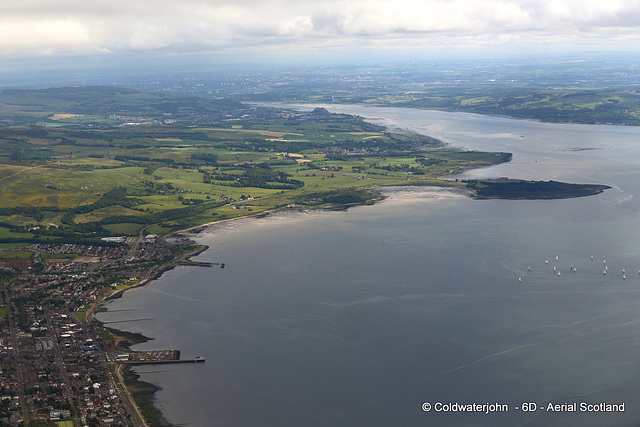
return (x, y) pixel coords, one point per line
(128, 399)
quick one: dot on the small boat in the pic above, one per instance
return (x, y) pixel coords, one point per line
(604, 271)
(591, 257)
(546, 261)
(529, 269)
(559, 273)
(520, 279)
(624, 276)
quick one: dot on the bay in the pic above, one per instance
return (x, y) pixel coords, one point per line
(360, 317)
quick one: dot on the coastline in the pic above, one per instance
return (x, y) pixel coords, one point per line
(405, 194)
(143, 392)
(140, 394)
(309, 105)
(386, 194)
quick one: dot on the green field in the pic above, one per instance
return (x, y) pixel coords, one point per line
(125, 228)
(78, 180)
(17, 255)
(179, 177)
(6, 232)
(58, 257)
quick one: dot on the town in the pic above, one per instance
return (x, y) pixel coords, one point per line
(58, 362)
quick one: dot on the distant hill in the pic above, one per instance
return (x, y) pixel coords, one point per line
(63, 104)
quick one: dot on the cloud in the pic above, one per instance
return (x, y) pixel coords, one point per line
(41, 27)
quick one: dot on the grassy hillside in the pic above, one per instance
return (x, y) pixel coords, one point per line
(619, 106)
(102, 106)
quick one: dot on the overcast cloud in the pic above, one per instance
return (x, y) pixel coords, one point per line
(72, 27)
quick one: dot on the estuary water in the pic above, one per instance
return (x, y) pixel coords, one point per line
(427, 300)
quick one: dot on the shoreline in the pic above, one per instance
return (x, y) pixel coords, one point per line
(139, 393)
(310, 104)
(141, 389)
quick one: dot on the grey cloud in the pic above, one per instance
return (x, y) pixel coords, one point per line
(100, 25)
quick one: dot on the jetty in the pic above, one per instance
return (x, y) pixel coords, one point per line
(152, 357)
(201, 263)
(196, 263)
(157, 362)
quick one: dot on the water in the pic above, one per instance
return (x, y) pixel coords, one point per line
(359, 317)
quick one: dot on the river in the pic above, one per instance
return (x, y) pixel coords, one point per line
(362, 317)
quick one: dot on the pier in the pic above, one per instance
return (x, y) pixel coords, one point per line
(151, 357)
(202, 263)
(198, 359)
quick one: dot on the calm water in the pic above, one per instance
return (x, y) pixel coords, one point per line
(358, 317)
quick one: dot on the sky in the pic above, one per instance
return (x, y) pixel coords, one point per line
(44, 33)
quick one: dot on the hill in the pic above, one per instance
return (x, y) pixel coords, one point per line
(105, 106)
